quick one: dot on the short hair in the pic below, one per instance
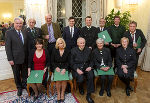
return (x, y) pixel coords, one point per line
(60, 39)
(133, 22)
(124, 38)
(18, 18)
(116, 17)
(88, 17)
(48, 15)
(100, 40)
(39, 41)
(71, 18)
(32, 19)
(80, 39)
(101, 19)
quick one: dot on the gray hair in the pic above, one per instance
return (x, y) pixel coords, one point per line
(100, 40)
(18, 18)
(80, 38)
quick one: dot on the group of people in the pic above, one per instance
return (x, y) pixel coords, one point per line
(79, 51)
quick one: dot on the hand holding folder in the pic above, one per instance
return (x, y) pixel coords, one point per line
(105, 35)
(109, 72)
(58, 76)
(138, 42)
(36, 76)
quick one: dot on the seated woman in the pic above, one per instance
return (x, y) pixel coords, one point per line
(102, 60)
(60, 63)
(126, 61)
(38, 60)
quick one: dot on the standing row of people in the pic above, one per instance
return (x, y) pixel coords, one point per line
(89, 52)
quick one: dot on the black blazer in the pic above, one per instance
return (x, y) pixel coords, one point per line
(138, 34)
(90, 36)
(15, 49)
(98, 55)
(60, 61)
(71, 42)
(31, 56)
(81, 59)
(126, 57)
(98, 29)
(31, 38)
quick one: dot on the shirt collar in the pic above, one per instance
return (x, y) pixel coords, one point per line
(133, 33)
(116, 25)
(88, 27)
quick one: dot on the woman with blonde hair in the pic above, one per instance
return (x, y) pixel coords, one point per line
(126, 62)
(60, 63)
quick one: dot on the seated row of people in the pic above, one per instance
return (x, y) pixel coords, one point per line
(82, 62)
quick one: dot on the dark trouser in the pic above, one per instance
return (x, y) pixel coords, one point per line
(125, 80)
(50, 47)
(20, 75)
(109, 82)
(113, 55)
(137, 59)
(90, 80)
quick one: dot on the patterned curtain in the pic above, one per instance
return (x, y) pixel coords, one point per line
(36, 9)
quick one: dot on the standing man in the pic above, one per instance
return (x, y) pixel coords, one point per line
(50, 32)
(116, 32)
(33, 33)
(71, 34)
(133, 34)
(102, 23)
(16, 50)
(89, 33)
(82, 67)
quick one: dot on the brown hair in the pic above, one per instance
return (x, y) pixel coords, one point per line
(133, 22)
(116, 17)
(39, 41)
(88, 17)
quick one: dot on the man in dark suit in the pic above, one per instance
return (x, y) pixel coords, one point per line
(16, 50)
(102, 27)
(133, 34)
(71, 34)
(89, 33)
(82, 67)
(32, 33)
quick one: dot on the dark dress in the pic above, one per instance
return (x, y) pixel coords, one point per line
(82, 60)
(98, 56)
(60, 61)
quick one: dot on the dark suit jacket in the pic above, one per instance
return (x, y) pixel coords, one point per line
(97, 57)
(71, 42)
(137, 34)
(98, 29)
(31, 38)
(126, 57)
(15, 49)
(56, 29)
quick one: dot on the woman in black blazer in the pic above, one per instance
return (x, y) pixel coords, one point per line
(126, 62)
(102, 60)
(38, 60)
(60, 63)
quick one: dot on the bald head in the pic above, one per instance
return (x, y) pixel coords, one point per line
(48, 19)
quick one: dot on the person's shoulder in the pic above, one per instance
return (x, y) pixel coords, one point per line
(10, 31)
(138, 30)
(106, 49)
(43, 25)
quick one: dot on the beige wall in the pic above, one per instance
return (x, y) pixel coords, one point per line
(10, 6)
(139, 13)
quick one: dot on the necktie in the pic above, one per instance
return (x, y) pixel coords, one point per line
(49, 31)
(20, 36)
(132, 36)
(71, 33)
(33, 32)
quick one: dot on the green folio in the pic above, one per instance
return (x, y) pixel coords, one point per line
(109, 72)
(138, 42)
(36, 76)
(59, 77)
(105, 35)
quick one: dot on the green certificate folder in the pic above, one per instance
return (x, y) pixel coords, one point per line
(36, 76)
(59, 77)
(109, 72)
(138, 42)
(105, 35)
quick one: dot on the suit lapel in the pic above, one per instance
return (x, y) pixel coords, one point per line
(17, 36)
(68, 32)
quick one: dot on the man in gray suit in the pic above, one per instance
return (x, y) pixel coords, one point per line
(16, 50)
